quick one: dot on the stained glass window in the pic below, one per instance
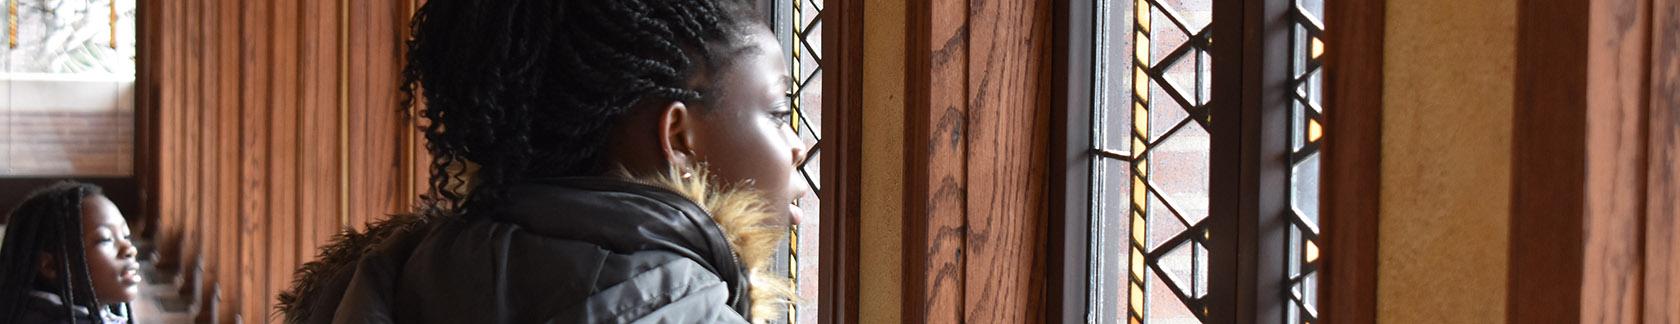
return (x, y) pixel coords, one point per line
(1306, 132)
(799, 26)
(67, 88)
(1151, 118)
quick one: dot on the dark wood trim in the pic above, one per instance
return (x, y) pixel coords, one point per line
(1352, 162)
(1227, 199)
(1547, 173)
(1250, 161)
(1070, 167)
(842, 172)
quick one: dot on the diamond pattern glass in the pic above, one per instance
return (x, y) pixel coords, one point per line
(1154, 217)
(1306, 133)
(800, 32)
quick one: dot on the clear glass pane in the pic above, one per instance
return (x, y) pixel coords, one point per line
(1180, 167)
(1179, 265)
(1165, 307)
(1164, 38)
(1304, 182)
(1110, 244)
(1195, 14)
(1114, 49)
(1202, 270)
(1164, 112)
(1163, 225)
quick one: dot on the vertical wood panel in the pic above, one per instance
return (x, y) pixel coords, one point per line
(226, 45)
(1617, 40)
(1662, 259)
(209, 156)
(194, 171)
(1008, 140)
(318, 122)
(254, 141)
(935, 170)
(289, 231)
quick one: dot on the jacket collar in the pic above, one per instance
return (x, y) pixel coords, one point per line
(728, 230)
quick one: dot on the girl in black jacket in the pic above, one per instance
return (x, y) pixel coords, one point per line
(594, 161)
(67, 258)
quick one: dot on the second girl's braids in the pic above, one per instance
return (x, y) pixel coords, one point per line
(515, 89)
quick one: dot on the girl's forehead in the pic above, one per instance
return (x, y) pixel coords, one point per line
(99, 211)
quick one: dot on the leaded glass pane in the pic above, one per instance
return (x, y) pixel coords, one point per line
(1306, 134)
(1149, 253)
(67, 88)
(799, 27)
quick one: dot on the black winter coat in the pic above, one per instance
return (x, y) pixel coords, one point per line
(575, 250)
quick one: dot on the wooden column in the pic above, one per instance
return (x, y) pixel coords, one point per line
(1593, 194)
(977, 161)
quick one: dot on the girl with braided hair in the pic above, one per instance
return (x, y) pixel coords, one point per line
(594, 161)
(67, 258)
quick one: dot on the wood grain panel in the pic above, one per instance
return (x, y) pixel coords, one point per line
(254, 59)
(1617, 40)
(318, 145)
(1005, 269)
(289, 231)
(936, 174)
(225, 42)
(1662, 259)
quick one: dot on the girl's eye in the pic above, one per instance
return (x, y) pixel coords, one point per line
(784, 116)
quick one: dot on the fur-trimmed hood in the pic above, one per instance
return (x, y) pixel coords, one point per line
(730, 232)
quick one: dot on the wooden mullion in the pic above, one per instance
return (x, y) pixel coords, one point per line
(842, 128)
(1071, 184)
(1351, 156)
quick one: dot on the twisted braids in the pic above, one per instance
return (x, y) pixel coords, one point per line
(48, 221)
(516, 89)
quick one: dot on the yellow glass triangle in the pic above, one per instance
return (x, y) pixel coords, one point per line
(1317, 48)
(1312, 252)
(1314, 131)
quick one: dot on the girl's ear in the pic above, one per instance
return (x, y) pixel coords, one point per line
(44, 266)
(676, 137)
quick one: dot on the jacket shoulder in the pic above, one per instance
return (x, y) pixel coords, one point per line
(661, 287)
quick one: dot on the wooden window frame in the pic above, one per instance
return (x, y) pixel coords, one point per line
(842, 176)
(1243, 184)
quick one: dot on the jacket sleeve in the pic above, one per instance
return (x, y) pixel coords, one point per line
(678, 291)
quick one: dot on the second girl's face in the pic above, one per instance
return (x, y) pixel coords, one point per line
(747, 136)
(111, 255)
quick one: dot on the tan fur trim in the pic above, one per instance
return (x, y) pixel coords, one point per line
(747, 221)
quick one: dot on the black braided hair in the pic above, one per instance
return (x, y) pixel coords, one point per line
(518, 89)
(48, 221)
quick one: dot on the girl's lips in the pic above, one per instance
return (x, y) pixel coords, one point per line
(131, 276)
